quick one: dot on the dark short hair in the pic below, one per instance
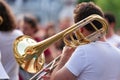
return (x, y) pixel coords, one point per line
(110, 17)
(86, 9)
(7, 16)
(32, 21)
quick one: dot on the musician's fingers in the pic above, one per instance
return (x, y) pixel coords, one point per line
(67, 51)
(46, 70)
(45, 77)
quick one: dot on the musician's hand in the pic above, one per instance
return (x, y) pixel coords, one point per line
(46, 77)
(67, 52)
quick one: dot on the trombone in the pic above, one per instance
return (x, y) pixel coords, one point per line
(29, 53)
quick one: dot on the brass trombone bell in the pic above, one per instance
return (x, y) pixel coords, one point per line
(25, 57)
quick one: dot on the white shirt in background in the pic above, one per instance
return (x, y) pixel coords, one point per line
(8, 59)
(115, 40)
(95, 61)
(3, 74)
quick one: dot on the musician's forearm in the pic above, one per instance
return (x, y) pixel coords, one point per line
(63, 59)
(60, 64)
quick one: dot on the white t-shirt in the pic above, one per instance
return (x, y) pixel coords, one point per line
(8, 59)
(95, 61)
(115, 40)
(3, 74)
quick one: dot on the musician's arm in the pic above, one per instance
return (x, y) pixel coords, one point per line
(60, 72)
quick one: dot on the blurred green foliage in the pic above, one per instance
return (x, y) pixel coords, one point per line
(112, 6)
(79, 1)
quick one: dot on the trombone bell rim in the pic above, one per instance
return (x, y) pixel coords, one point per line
(22, 43)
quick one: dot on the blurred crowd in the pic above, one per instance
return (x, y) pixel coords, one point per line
(27, 23)
(39, 29)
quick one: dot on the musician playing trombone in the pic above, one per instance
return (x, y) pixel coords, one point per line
(97, 60)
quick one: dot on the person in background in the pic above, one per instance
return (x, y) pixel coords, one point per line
(30, 28)
(50, 29)
(97, 60)
(111, 36)
(8, 34)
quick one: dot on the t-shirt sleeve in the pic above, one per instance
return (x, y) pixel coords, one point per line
(77, 62)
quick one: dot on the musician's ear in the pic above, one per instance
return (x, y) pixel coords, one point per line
(82, 29)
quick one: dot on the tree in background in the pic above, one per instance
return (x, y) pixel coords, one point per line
(111, 6)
